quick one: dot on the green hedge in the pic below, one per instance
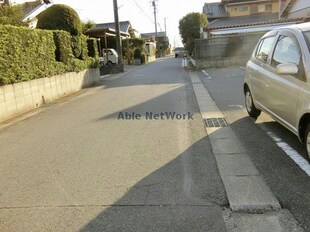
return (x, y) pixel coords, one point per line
(60, 17)
(92, 48)
(27, 54)
(63, 46)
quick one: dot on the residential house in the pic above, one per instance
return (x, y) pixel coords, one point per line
(237, 8)
(250, 16)
(104, 30)
(230, 40)
(295, 9)
(162, 39)
(162, 42)
(33, 9)
(215, 10)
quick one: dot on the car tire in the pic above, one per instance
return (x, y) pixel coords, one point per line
(307, 141)
(249, 105)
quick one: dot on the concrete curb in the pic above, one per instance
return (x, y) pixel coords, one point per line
(246, 190)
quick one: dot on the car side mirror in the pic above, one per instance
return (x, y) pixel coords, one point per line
(287, 69)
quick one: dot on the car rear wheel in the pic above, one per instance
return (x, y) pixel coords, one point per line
(307, 141)
(249, 105)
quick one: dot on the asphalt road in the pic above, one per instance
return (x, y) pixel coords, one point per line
(287, 180)
(81, 166)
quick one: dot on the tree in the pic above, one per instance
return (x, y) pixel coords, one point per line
(63, 17)
(88, 25)
(189, 27)
(60, 17)
(11, 15)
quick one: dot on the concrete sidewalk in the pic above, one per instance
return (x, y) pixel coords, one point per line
(253, 207)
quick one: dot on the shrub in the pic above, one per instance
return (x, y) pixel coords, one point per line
(63, 51)
(60, 17)
(27, 54)
(12, 15)
(84, 50)
(24, 55)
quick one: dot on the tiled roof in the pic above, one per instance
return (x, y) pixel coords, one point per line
(124, 26)
(153, 34)
(214, 10)
(242, 21)
(239, 1)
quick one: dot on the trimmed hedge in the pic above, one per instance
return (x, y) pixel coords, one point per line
(60, 17)
(63, 46)
(92, 48)
(27, 54)
(63, 17)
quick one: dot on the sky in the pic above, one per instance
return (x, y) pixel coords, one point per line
(139, 13)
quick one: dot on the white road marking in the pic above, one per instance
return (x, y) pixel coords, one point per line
(294, 155)
(206, 74)
(242, 67)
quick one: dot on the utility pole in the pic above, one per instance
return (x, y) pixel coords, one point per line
(118, 34)
(280, 6)
(165, 26)
(155, 19)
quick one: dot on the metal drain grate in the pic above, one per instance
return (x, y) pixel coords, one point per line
(216, 122)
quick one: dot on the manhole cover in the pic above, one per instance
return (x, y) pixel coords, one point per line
(216, 122)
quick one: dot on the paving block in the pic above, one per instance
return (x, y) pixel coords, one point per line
(226, 146)
(235, 165)
(280, 221)
(249, 194)
(220, 132)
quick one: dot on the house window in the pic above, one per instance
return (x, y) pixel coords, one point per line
(243, 8)
(261, 8)
(269, 8)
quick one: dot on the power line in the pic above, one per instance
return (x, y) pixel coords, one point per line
(143, 11)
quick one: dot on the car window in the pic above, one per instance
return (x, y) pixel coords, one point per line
(264, 49)
(286, 51)
(307, 37)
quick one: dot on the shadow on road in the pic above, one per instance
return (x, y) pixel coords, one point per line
(184, 195)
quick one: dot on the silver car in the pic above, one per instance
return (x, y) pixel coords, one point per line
(277, 79)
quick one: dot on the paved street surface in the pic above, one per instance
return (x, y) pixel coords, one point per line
(289, 183)
(85, 165)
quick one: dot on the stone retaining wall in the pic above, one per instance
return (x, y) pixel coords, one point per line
(25, 96)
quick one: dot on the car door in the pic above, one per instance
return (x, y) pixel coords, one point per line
(283, 90)
(257, 70)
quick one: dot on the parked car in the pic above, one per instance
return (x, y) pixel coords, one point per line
(179, 52)
(277, 79)
(110, 56)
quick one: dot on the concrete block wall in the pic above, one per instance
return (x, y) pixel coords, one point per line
(229, 50)
(25, 96)
(219, 63)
